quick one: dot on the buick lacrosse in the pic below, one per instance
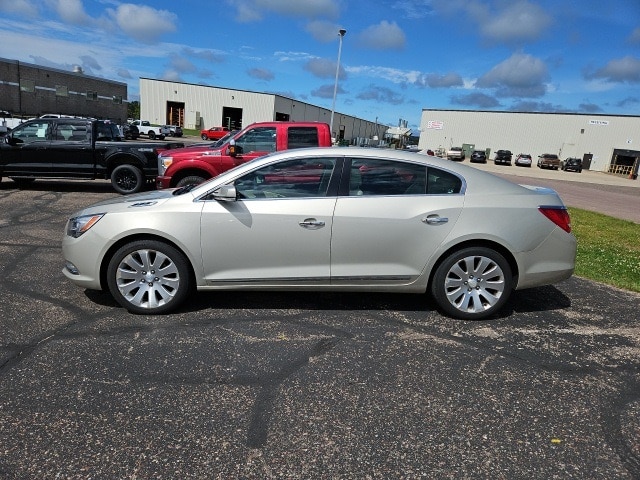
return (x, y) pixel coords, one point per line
(330, 219)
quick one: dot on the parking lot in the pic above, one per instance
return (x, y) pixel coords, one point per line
(305, 385)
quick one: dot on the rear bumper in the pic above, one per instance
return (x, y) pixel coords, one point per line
(552, 261)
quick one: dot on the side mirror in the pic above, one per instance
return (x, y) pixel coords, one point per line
(234, 150)
(226, 193)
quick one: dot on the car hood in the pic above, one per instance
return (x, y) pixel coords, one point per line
(138, 200)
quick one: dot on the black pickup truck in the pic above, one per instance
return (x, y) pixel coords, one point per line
(78, 148)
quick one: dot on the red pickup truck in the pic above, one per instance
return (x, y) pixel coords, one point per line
(199, 163)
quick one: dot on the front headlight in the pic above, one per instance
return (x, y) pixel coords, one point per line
(164, 163)
(78, 225)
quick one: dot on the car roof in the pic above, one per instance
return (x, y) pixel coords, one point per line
(470, 174)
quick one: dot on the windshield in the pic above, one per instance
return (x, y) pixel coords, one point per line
(223, 140)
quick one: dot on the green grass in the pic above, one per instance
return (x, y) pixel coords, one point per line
(608, 249)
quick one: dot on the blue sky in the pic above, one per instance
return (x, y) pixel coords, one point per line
(398, 56)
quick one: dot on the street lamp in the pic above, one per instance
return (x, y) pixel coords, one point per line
(341, 32)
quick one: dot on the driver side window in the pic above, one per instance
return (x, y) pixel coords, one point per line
(259, 139)
(300, 178)
(32, 132)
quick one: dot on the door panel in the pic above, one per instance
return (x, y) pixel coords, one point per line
(279, 227)
(279, 240)
(389, 239)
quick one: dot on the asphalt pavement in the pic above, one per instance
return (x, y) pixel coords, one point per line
(302, 385)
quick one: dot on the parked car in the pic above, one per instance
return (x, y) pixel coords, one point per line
(213, 133)
(478, 156)
(455, 153)
(152, 131)
(79, 149)
(320, 219)
(503, 157)
(571, 164)
(174, 130)
(549, 160)
(130, 132)
(523, 160)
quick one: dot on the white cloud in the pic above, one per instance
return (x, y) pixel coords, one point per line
(143, 23)
(28, 8)
(384, 36)
(520, 75)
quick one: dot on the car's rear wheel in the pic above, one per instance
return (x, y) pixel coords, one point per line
(126, 179)
(149, 277)
(190, 180)
(152, 134)
(472, 283)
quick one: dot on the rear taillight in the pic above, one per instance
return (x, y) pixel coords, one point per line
(558, 215)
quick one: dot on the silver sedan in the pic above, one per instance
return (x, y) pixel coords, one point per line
(333, 219)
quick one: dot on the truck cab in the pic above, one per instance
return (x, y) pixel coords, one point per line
(196, 164)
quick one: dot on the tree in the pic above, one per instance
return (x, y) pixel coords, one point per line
(133, 109)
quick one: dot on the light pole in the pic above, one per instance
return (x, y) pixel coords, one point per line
(341, 33)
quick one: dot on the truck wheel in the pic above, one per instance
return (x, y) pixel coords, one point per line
(149, 277)
(127, 179)
(190, 180)
(152, 134)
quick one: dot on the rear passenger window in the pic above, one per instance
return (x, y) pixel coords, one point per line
(440, 182)
(302, 137)
(386, 177)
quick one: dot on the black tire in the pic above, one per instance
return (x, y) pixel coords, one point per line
(190, 180)
(126, 179)
(161, 137)
(203, 136)
(472, 283)
(152, 135)
(149, 277)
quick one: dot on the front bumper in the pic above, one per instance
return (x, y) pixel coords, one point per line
(163, 182)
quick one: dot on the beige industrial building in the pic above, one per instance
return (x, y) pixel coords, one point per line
(606, 143)
(199, 106)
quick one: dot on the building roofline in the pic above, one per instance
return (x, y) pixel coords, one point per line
(59, 70)
(530, 113)
(248, 91)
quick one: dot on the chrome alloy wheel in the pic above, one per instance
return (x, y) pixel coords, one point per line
(474, 284)
(149, 277)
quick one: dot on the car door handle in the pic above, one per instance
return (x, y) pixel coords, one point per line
(435, 220)
(311, 223)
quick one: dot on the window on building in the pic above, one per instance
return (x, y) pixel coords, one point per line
(117, 99)
(27, 85)
(62, 91)
(92, 95)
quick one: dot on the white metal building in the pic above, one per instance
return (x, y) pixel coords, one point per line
(199, 106)
(607, 143)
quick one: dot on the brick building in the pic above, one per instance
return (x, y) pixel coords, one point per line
(28, 90)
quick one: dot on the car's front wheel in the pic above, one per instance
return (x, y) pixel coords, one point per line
(203, 136)
(149, 277)
(472, 283)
